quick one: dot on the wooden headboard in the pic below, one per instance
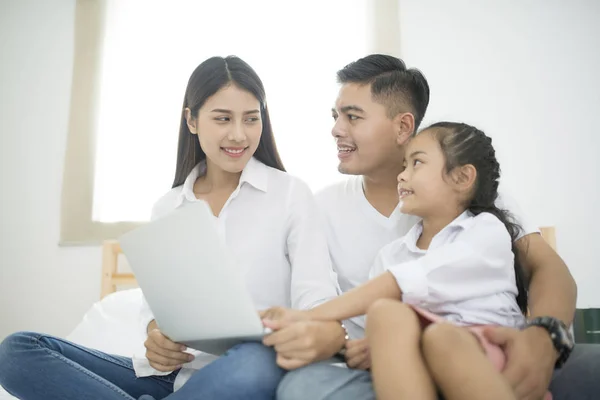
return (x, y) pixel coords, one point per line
(112, 278)
(549, 234)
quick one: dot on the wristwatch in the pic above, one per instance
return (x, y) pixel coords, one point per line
(560, 335)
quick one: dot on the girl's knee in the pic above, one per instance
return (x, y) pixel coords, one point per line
(384, 308)
(386, 311)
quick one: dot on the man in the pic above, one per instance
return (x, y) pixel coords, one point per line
(380, 106)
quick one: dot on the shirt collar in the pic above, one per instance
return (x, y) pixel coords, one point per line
(462, 220)
(413, 235)
(255, 174)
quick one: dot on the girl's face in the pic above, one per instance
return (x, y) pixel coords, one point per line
(424, 187)
(229, 128)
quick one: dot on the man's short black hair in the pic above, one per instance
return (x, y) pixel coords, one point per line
(399, 89)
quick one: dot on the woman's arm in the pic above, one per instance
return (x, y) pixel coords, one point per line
(313, 281)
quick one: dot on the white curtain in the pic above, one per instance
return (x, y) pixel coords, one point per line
(149, 52)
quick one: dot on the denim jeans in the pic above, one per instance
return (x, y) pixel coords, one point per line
(36, 366)
(579, 379)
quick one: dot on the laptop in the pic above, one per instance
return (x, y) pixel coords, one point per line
(198, 296)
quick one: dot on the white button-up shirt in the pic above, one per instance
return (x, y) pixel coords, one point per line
(271, 227)
(466, 276)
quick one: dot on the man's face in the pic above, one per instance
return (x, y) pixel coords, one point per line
(364, 133)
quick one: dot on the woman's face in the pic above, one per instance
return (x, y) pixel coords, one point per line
(229, 127)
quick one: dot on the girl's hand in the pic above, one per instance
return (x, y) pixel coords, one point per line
(357, 354)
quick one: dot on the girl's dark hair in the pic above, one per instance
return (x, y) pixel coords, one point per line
(206, 80)
(463, 144)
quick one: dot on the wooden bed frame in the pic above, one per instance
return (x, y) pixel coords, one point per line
(112, 278)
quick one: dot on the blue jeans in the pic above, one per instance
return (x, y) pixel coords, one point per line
(36, 366)
(579, 379)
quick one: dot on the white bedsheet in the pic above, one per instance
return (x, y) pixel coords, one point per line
(110, 325)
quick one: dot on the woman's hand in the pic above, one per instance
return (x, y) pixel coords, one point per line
(304, 342)
(164, 355)
(298, 340)
(284, 315)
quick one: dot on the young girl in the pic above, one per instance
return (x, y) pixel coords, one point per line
(435, 288)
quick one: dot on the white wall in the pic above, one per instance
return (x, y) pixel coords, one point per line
(526, 72)
(42, 287)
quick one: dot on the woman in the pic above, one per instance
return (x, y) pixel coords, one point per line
(228, 158)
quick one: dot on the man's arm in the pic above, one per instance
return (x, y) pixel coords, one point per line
(552, 292)
(552, 289)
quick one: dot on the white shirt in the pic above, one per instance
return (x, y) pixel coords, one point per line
(356, 232)
(466, 276)
(271, 226)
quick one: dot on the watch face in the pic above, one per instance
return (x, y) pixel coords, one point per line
(565, 337)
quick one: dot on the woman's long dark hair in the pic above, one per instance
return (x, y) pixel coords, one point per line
(206, 80)
(463, 144)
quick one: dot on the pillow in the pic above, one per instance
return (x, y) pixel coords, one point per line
(112, 325)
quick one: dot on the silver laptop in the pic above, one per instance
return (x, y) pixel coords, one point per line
(197, 295)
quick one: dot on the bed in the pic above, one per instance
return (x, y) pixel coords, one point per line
(111, 324)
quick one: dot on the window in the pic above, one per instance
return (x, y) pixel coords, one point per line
(133, 86)
(150, 50)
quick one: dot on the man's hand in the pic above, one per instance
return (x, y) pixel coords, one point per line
(357, 354)
(304, 342)
(530, 359)
(163, 354)
(284, 314)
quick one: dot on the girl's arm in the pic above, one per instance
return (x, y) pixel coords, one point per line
(357, 301)
(478, 263)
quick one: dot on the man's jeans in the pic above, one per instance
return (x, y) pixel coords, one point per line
(36, 366)
(579, 379)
